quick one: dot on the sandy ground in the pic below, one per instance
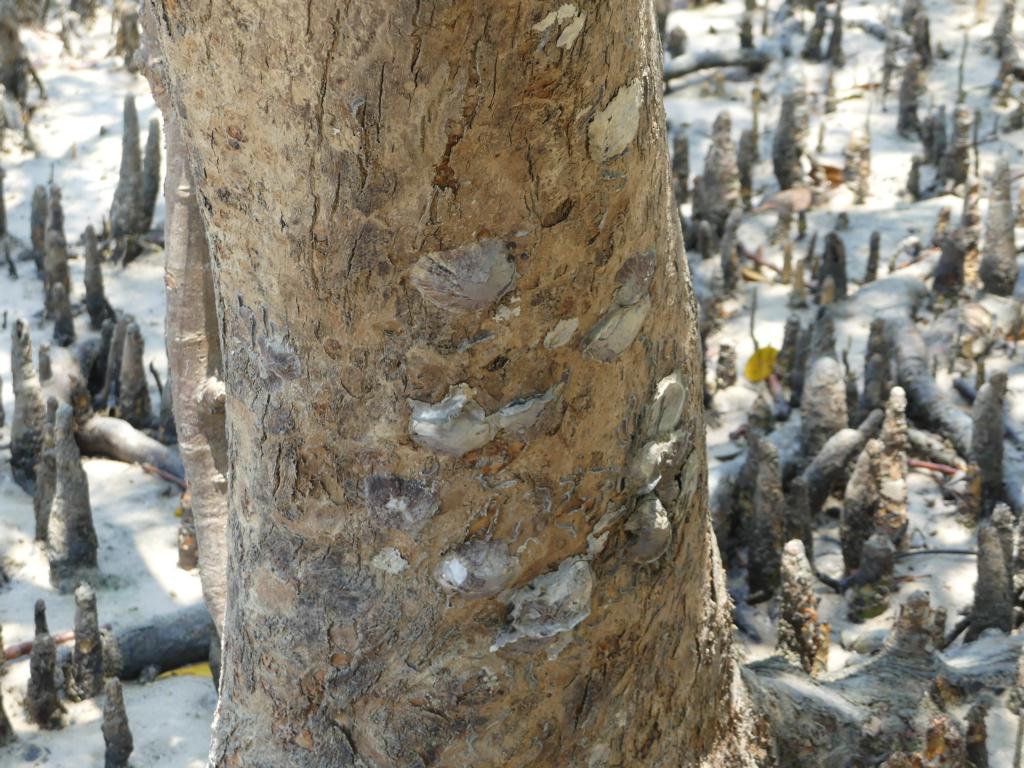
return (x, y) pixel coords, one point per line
(78, 133)
(933, 521)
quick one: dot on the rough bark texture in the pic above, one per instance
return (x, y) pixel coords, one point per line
(934, 136)
(729, 251)
(858, 715)
(1002, 30)
(188, 549)
(725, 366)
(166, 431)
(11, 49)
(395, 401)
(948, 277)
(785, 362)
(106, 400)
(799, 519)
(44, 363)
(128, 35)
(681, 165)
(877, 369)
(913, 186)
(816, 34)
(922, 37)
(977, 735)
(835, 53)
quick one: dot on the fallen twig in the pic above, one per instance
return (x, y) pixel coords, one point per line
(163, 475)
(18, 650)
(166, 642)
(754, 60)
(937, 551)
(933, 466)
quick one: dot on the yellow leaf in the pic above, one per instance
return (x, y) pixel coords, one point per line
(761, 364)
(179, 512)
(202, 669)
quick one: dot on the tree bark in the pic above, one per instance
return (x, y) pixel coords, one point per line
(196, 368)
(463, 388)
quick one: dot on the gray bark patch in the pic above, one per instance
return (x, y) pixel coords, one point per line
(478, 569)
(552, 603)
(398, 502)
(457, 424)
(649, 531)
(613, 129)
(465, 279)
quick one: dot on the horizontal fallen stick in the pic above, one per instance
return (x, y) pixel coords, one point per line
(753, 59)
(933, 466)
(163, 475)
(937, 551)
(17, 650)
(117, 439)
(933, 448)
(166, 642)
